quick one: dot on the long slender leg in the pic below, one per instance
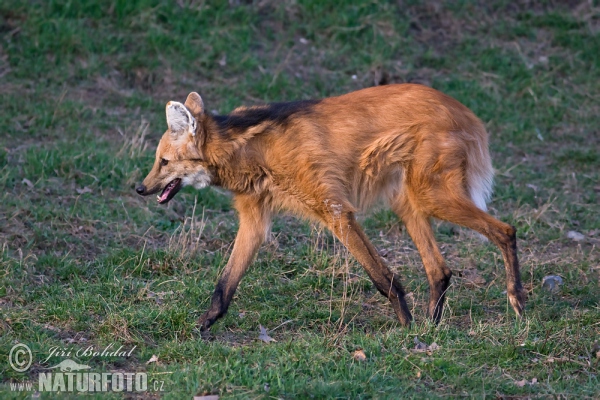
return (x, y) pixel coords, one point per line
(438, 274)
(254, 224)
(347, 230)
(465, 213)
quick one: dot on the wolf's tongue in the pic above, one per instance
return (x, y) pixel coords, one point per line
(165, 193)
(163, 196)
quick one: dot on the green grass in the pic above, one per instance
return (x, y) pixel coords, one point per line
(85, 261)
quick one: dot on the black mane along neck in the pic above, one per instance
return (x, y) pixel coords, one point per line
(278, 113)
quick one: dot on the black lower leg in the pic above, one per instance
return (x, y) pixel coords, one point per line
(218, 306)
(437, 297)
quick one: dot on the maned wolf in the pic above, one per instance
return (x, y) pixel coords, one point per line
(416, 148)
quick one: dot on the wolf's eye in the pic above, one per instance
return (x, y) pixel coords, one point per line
(163, 162)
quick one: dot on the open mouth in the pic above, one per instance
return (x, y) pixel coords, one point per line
(169, 191)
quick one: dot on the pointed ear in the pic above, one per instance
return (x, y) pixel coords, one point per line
(179, 119)
(195, 104)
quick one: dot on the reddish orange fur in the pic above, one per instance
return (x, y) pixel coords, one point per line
(409, 145)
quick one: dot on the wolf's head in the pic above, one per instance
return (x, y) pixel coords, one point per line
(179, 160)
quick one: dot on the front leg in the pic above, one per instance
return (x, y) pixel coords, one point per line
(255, 219)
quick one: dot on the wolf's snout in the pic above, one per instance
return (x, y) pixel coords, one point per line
(141, 190)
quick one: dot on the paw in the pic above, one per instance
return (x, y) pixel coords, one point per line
(206, 321)
(402, 312)
(517, 300)
(435, 311)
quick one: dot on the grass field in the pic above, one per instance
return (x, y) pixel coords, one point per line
(87, 262)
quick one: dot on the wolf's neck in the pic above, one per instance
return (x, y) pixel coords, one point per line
(240, 178)
(224, 144)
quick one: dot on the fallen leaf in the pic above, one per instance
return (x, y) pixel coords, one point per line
(27, 182)
(575, 236)
(359, 355)
(419, 346)
(552, 283)
(533, 381)
(84, 190)
(153, 359)
(264, 336)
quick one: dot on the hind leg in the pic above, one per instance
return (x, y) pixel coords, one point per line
(438, 274)
(462, 211)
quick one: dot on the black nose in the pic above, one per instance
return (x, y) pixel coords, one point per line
(141, 189)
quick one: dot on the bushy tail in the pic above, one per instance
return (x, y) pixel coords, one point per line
(480, 173)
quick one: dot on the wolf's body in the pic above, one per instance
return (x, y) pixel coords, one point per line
(422, 152)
